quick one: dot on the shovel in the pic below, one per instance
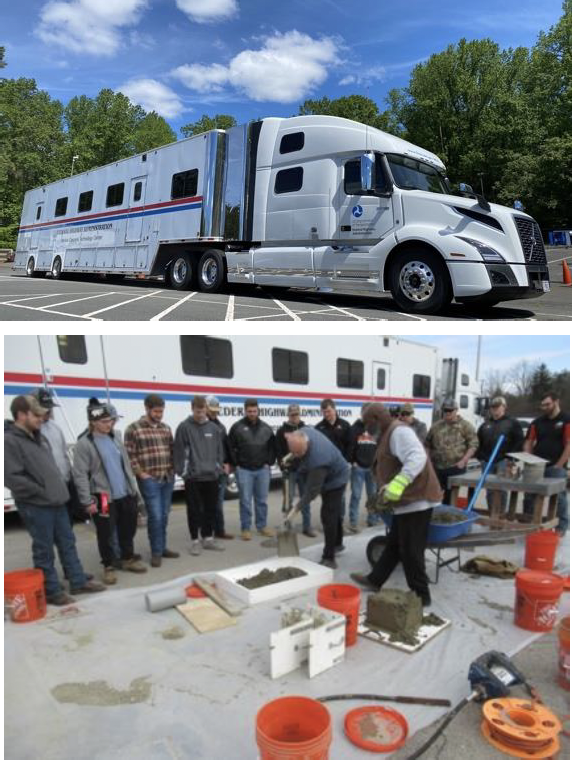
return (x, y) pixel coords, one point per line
(287, 538)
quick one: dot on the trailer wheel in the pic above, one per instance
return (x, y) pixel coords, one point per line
(419, 282)
(211, 274)
(56, 270)
(182, 272)
(31, 268)
(231, 490)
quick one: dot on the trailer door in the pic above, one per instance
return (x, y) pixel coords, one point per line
(380, 380)
(136, 201)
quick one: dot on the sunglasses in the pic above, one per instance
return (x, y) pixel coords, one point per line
(405, 414)
(448, 411)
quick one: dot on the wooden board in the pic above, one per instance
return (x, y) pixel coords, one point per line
(218, 598)
(205, 615)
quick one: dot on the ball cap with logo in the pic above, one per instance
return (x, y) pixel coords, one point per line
(98, 413)
(44, 398)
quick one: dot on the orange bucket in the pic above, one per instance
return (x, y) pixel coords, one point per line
(564, 653)
(537, 595)
(541, 550)
(24, 595)
(344, 598)
(462, 502)
(294, 728)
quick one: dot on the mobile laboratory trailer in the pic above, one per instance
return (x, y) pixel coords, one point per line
(315, 202)
(276, 370)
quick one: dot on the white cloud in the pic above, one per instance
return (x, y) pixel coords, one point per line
(88, 26)
(286, 68)
(205, 11)
(365, 77)
(153, 96)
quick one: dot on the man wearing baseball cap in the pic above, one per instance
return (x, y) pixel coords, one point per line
(289, 467)
(40, 493)
(407, 415)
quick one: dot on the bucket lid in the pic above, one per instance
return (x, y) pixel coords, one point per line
(376, 728)
(539, 578)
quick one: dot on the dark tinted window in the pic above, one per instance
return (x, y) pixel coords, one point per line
(210, 357)
(416, 175)
(289, 366)
(85, 201)
(137, 191)
(350, 373)
(464, 402)
(72, 348)
(115, 195)
(184, 184)
(464, 379)
(289, 180)
(380, 379)
(352, 177)
(38, 212)
(290, 143)
(421, 386)
(61, 207)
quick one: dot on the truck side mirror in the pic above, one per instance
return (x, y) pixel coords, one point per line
(367, 163)
(464, 188)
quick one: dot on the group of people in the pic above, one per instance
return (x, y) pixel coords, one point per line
(389, 452)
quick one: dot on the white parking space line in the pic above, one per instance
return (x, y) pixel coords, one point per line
(230, 310)
(59, 313)
(557, 261)
(287, 310)
(411, 316)
(29, 298)
(159, 316)
(122, 303)
(75, 300)
(260, 316)
(347, 313)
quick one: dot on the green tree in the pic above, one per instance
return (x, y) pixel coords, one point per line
(152, 131)
(2, 61)
(541, 383)
(206, 123)
(355, 107)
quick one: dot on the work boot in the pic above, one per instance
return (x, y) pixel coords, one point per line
(224, 536)
(60, 600)
(425, 599)
(310, 533)
(196, 548)
(339, 549)
(364, 581)
(90, 587)
(211, 545)
(168, 554)
(331, 563)
(246, 535)
(354, 529)
(109, 577)
(268, 532)
(133, 566)
(156, 560)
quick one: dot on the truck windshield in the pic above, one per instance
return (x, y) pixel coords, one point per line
(411, 174)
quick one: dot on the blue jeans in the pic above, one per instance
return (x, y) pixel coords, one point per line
(359, 476)
(157, 496)
(49, 526)
(219, 512)
(253, 483)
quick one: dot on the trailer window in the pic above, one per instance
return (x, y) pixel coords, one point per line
(352, 178)
(350, 373)
(208, 357)
(137, 191)
(184, 184)
(72, 349)
(421, 386)
(293, 141)
(115, 194)
(85, 201)
(464, 379)
(380, 379)
(61, 207)
(289, 180)
(464, 402)
(289, 366)
(38, 212)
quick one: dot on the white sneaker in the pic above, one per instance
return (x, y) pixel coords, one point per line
(196, 548)
(212, 545)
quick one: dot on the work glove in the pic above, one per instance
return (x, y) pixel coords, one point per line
(376, 504)
(395, 488)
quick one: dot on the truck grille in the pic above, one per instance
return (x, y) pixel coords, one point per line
(531, 240)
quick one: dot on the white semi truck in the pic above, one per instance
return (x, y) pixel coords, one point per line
(314, 202)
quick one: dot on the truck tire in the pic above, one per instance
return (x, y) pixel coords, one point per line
(231, 489)
(56, 270)
(419, 282)
(211, 272)
(182, 272)
(31, 268)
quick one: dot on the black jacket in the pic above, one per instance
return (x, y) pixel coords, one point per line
(30, 470)
(489, 433)
(281, 443)
(225, 446)
(252, 445)
(362, 446)
(338, 434)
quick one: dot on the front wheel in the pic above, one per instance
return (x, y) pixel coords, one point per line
(56, 270)
(419, 282)
(182, 272)
(31, 268)
(211, 274)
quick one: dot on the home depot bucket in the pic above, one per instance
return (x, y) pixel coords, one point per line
(541, 550)
(537, 595)
(293, 728)
(24, 595)
(564, 653)
(344, 598)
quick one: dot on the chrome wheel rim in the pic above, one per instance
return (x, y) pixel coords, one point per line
(417, 281)
(209, 272)
(30, 267)
(56, 268)
(180, 271)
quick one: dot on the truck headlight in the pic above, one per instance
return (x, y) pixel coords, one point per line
(488, 254)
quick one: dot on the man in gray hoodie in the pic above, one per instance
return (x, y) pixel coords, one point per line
(40, 493)
(199, 458)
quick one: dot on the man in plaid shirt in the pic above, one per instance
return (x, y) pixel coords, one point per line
(149, 443)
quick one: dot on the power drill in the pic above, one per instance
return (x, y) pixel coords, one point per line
(493, 674)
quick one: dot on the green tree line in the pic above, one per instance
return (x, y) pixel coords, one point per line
(525, 385)
(500, 119)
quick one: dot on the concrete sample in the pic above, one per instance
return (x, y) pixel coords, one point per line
(395, 611)
(163, 599)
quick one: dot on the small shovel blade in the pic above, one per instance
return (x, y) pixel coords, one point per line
(287, 543)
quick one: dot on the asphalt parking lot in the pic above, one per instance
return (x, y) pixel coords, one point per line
(27, 299)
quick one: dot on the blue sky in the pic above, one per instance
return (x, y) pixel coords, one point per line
(248, 58)
(501, 352)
